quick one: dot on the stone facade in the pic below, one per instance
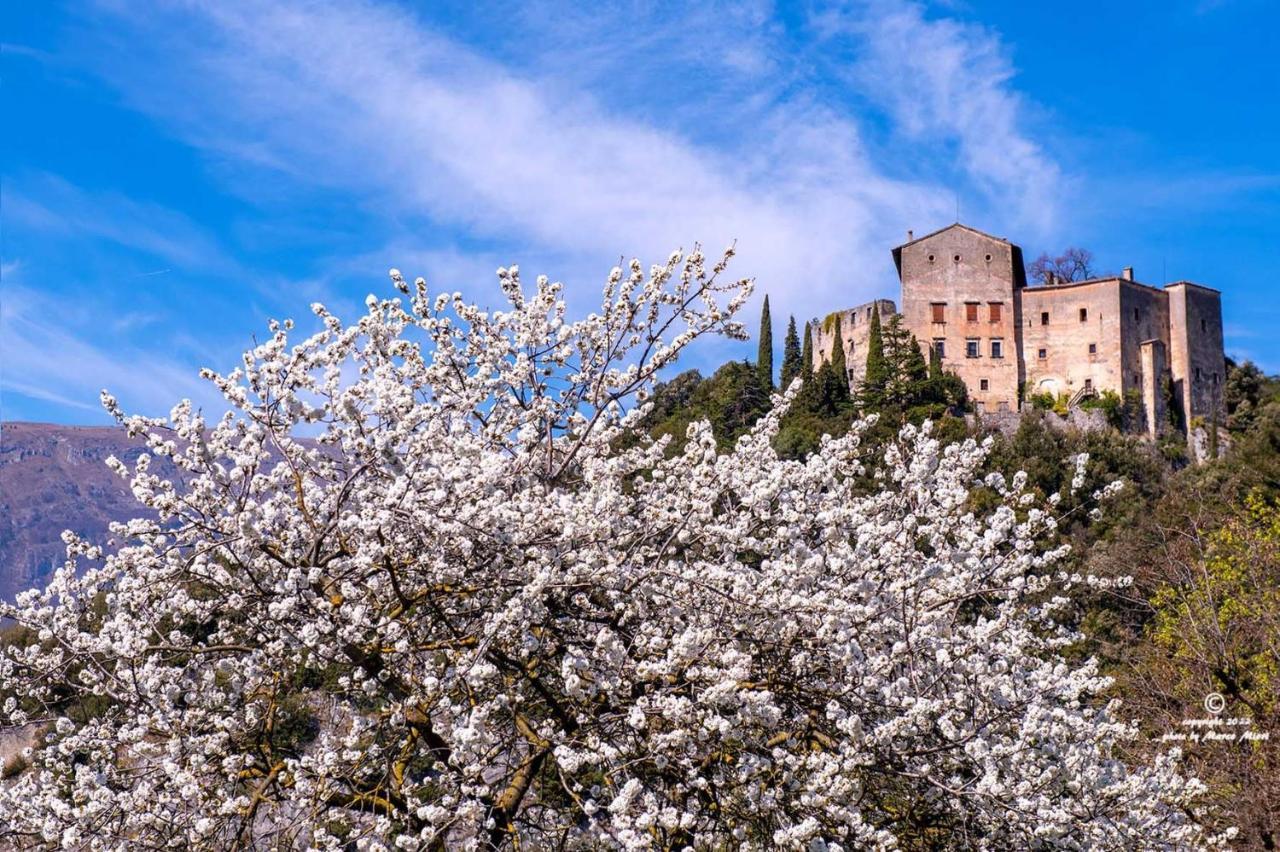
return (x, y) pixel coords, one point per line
(965, 293)
(855, 328)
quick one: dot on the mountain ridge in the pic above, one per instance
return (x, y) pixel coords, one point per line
(54, 477)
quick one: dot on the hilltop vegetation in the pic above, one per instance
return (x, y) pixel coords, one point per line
(1200, 542)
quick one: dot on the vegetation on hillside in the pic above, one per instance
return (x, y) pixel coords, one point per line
(1200, 542)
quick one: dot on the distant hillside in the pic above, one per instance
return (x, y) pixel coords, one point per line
(54, 478)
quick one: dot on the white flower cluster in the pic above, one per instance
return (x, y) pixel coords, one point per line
(481, 610)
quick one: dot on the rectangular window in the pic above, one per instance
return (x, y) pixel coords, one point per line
(983, 384)
(1093, 349)
(1088, 384)
(1202, 326)
(1044, 317)
(971, 311)
(997, 348)
(939, 311)
(1197, 374)
(971, 348)
(1084, 315)
(1135, 315)
(940, 346)
(1042, 353)
(996, 309)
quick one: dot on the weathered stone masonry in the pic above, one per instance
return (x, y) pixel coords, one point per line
(965, 294)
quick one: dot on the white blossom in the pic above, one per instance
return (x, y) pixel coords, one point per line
(467, 613)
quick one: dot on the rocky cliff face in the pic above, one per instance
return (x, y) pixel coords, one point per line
(54, 478)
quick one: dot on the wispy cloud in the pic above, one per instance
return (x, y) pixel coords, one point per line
(369, 99)
(43, 358)
(945, 81)
(49, 203)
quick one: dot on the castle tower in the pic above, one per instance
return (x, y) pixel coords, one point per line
(1197, 364)
(960, 290)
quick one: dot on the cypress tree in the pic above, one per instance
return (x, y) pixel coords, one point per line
(871, 393)
(832, 379)
(764, 357)
(806, 356)
(877, 369)
(791, 363)
(837, 354)
(935, 364)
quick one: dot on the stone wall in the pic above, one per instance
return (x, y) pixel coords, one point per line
(1072, 337)
(1196, 358)
(1007, 422)
(855, 327)
(1145, 317)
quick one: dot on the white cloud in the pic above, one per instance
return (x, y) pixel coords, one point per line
(365, 98)
(948, 81)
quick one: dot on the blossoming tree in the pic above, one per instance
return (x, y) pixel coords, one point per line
(474, 609)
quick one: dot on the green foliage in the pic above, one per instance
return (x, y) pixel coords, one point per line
(1045, 454)
(806, 356)
(732, 400)
(1110, 403)
(900, 386)
(1247, 390)
(838, 361)
(1227, 624)
(764, 354)
(831, 383)
(791, 356)
(1043, 401)
(877, 374)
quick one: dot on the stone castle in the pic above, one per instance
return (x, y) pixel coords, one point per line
(965, 294)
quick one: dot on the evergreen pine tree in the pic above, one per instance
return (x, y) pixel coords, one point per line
(791, 363)
(764, 357)
(806, 356)
(913, 364)
(904, 366)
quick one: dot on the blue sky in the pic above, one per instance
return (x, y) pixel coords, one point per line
(174, 175)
